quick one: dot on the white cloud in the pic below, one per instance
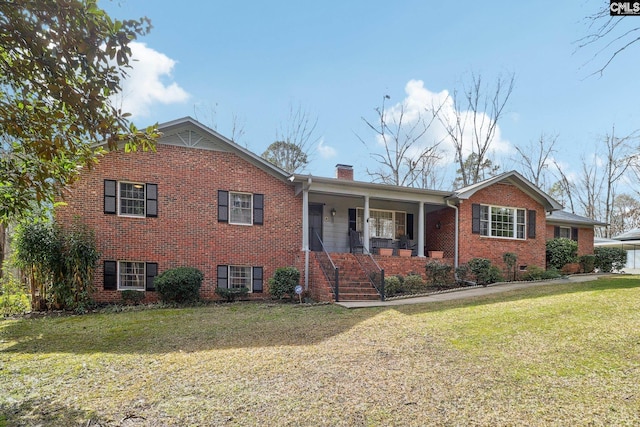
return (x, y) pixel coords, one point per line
(145, 84)
(420, 101)
(326, 152)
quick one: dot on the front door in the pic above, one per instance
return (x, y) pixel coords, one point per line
(315, 227)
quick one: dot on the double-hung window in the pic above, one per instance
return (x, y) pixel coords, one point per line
(131, 199)
(382, 223)
(130, 275)
(240, 208)
(500, 221)
(240, 276)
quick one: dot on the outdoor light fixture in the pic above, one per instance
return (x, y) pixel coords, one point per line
(333, 211)
(438, 225)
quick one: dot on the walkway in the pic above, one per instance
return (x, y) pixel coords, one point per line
(468, 292)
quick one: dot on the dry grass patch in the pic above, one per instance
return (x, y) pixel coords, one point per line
(550, 355)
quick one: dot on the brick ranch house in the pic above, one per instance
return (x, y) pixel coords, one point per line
(202, 201)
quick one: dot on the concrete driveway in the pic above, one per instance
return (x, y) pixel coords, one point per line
(469, 292)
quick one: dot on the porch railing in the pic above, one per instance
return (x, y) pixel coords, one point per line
(374, 272)
(331, 272)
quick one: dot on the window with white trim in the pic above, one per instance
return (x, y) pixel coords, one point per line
(500, 221)
(564, 232)
(239, 277)
(131, 275)
(240, 208)
(131, 197)
(382, 223)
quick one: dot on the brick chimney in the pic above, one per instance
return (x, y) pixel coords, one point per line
(344, 172)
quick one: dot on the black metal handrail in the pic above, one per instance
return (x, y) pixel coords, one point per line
(331, 272)
(374, 272)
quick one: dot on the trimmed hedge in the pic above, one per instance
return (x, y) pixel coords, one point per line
(180, 285)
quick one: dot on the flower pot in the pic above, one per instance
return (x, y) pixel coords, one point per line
(436, 254)
(386, 251)
(404, 252)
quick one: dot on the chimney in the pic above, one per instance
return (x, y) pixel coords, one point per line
(344, 172)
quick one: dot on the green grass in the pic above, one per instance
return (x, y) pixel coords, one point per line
(548, 355)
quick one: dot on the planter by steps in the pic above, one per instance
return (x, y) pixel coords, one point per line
(436, 254)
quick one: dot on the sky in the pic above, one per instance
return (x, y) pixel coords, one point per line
(247, 63)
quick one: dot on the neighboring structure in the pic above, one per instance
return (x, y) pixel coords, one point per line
(630, 242)
(202, 201)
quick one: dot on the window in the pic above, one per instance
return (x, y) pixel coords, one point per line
(383, 224)
(132, 199)
(564, 232)
(498, 221)
(241, 207)
(237, 276)
(131, 275)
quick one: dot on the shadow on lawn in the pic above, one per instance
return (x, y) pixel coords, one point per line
(39, 412)
(158, 331)
(533, 292)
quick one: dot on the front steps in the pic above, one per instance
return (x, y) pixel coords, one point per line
(354, 283)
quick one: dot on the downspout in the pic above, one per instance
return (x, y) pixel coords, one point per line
(456, 237)
(305, 232)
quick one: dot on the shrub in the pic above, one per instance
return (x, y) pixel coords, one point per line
(482, 270)
(284, 282)
(510, 260)
(533, 273)
(587, 263)
(610, 259)
(131, 297)
(438, 273)
(413, 283)
(551, 273)
(495, 275)
(561, 251)
(462, 274)
(392, 285)
(13, 296)
(180, 285)
(230, 295)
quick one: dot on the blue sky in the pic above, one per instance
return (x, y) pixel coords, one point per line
(337, 59)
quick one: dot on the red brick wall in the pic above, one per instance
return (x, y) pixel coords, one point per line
(530, 252)
(186, 231)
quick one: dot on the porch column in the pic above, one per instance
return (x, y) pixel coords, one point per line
(365, 236)
(421, 221)
(305, 232)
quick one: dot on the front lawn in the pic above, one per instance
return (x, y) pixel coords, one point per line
(561, 354)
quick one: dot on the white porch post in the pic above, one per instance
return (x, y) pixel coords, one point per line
(421, 221)
(305, 233)
(365, 236)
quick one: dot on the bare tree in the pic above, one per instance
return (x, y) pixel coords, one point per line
(535, 159)
(563, 190)
(406, 160)
(295, 141)
(474, 124)
(590, 186)
(625, 214)
(608, 34)
(208, 115)
(619, 158)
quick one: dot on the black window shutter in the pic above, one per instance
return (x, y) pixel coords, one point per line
(409, 226)
(574, 234)
(352, 219)
(223, 206)
(152, 200)
(475, 218)
(258, 209)
(556, 232)
(110, 196)
(223, 276)
(257, 279)
(110, 275)
(151, 271)
(531, 228)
